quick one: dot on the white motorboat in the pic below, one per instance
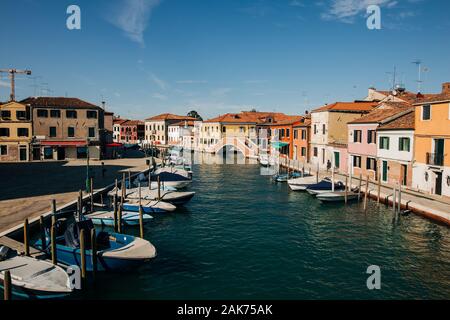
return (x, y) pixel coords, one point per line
(173, 197)
(33, 278)
(106, 218)
(337, 196)
(301, 184)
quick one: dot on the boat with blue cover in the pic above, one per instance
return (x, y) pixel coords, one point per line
(115, 252)
(325, 186)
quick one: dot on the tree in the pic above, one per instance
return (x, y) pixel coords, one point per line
(194, 114)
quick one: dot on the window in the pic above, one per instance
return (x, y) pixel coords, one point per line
(241, 129)
(303, 134)
(316, 152)
(6, 115)
(71, 132)
(81, 153)
(404, 144)
(90, 114)
(42, 113)
(295, 134)
(52, 132)
(4, 132)
(288, 133)
(356, 161)
(357, 136)
(303, 152)
(323, 129)
(315, 129)
(55, 113)
(22, 132)
(48, 153)
(71, 114)
(3, 150)
(371, 164)
(92, 132)
(426, 112)
(384, 143)
(21, 115)
(371, 136)
(282, 133)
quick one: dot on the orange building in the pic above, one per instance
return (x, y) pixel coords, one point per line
(431, 170)
(302, 140)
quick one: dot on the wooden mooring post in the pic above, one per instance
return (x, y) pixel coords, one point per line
(359, 187)
(129, 179)
(53, 206)
(92, 195)
(7, 286)
(366, 194)
(379, 189)
(159, 188)
(122, 186)
(119, 218)
(346, 190)
(115, 213)
(26, 241)
(141, 214)
(83, 257)
(94, 252)
(42, 233)
(394, 200)
(53, 243)
(399, 198)
(80, 200)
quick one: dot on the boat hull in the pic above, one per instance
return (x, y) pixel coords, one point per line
(336, 197)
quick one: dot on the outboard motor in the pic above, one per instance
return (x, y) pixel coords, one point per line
(72, 234)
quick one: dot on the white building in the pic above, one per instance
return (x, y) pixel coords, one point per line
(157, 127)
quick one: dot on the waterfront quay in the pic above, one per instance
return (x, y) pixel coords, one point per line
(28, 189)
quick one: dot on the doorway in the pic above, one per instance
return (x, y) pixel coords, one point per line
(385, 171)
(404, 174)
(23, 153)
(36, 153)
(61, 153)
(438, 186)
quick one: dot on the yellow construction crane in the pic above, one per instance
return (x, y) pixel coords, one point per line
(12, 74)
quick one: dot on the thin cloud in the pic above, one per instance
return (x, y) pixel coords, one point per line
(132, 17)
(191, 81)
(159, 82)
(347, 10)
(159, 96)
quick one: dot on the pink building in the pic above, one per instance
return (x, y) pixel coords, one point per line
(362, 138)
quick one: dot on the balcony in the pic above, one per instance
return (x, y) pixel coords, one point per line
(435, 159)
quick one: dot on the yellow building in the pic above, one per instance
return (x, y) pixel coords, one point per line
(15, 132)
(431, 169)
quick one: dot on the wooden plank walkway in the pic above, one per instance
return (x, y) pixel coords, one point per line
(19, 247)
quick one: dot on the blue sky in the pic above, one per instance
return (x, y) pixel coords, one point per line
(145, 57)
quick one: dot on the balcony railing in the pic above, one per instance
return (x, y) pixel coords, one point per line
(435, 159)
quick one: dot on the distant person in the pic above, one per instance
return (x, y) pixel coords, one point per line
(103, 170)
(328, 165)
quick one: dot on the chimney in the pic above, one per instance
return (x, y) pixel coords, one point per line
(446, 87)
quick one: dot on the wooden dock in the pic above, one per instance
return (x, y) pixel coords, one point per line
(19, 247)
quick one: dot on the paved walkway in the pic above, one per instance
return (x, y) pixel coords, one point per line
(27, 189)
(430, 206)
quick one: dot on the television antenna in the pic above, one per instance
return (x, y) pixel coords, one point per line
(419, 81)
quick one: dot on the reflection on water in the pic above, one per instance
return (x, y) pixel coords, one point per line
(243, 237)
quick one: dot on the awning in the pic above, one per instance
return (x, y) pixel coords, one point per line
(114, 144)
(64, 143)
(279, 144)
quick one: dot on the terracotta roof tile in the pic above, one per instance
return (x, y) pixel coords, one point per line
(378, 115)
(183, 123)
(62, 102)
(247, 117)
(405, 122)
(169, 116)
(360, 106)
(433, 98)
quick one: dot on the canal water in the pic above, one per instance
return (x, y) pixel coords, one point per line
(245, 237)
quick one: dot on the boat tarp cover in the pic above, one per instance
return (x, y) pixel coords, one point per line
(168, 176)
